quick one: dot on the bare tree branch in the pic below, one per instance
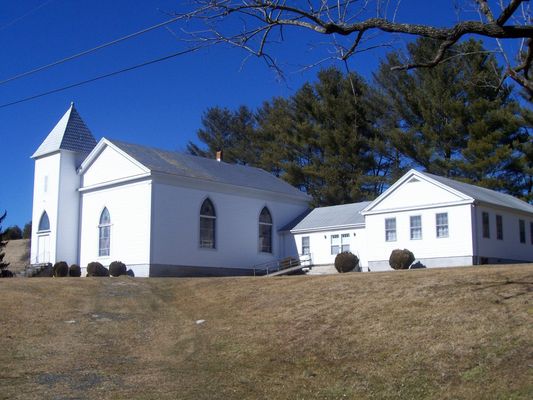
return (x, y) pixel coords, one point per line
(263, 20)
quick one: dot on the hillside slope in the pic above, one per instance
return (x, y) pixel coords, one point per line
(17, 254)
(461, 333)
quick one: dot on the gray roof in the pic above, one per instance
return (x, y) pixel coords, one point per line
(484, 195)
(332, 217)
(190, 166)
(70, 133)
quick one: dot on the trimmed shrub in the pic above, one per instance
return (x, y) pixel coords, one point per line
(74, 271)
(346, 262)
(60, 269)
(130, 273)
(117, 268)
(401, 259)
(96, 269)
(417, 265)
(5, 273)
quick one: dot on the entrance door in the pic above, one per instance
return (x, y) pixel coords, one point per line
(43, 249)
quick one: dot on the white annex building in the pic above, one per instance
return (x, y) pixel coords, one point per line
(164, 213)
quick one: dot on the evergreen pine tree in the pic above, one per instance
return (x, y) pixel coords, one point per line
(3, 265)
(456, 119)
(325, 140)
(231, 132)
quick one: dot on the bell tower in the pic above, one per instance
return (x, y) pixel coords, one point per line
(56, 200)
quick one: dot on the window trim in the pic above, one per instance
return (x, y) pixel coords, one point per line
(413, 228)
(331, 245)
(485, 224)
(207, 217)
(343, 244)
(522, 231)
(39, 230)
(499, 227)
(101, 228)
(308, 247)
(437, 226)
(271, 231)
(390, 230)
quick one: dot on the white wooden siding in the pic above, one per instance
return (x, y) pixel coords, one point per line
(458, 244)
(129, 206)
(110, 166)
(510, 247)
(320, 245)
(68, 209)
(49, 167)
(175, 227)
(416, 194)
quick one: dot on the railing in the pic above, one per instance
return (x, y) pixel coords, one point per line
(304, 261)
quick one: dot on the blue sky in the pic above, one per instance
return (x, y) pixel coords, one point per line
(160, 105)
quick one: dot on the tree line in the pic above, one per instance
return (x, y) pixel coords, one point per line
(343, 139)
(15, 232)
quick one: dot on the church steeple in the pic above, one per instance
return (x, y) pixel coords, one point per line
(70, 133)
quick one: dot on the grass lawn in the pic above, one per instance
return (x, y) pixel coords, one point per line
(459, 333)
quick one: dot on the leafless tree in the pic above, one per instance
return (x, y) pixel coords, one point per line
(355, 26)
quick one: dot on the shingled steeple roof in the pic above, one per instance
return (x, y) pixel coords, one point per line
(70, 133)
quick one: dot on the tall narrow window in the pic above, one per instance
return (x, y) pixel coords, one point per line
(522, 228)
(345, 242)
(104, 234)
(486, 225)
(44, 222)
(416, 227)
(265, 231)
(499, 227)
(442, 225)
(390, 229)
(306, 248)
(208, 220)
(335, 244)
(531, 232)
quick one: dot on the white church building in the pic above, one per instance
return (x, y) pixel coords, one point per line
(165, 213)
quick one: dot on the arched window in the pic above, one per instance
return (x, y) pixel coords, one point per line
(104, 233)
(265, 231)
(208, 218)
(44, 222)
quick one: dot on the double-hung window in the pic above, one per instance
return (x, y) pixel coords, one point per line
(522, 229)
(486, 224)
(390, 229)
(442, 225)
(345, 242)
(499, 227)
(335, 244)
(306, 248)
(416, 227)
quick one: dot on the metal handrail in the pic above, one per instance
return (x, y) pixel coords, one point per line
(275, 265)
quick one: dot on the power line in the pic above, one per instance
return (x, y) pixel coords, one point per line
(27, 14)
(73, 85)
(89, 51)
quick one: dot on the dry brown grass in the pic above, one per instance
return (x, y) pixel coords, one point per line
(17, 254)
(438, 334)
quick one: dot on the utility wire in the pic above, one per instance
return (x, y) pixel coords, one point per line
(27, 14)
(89, 51)
(73, 85)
